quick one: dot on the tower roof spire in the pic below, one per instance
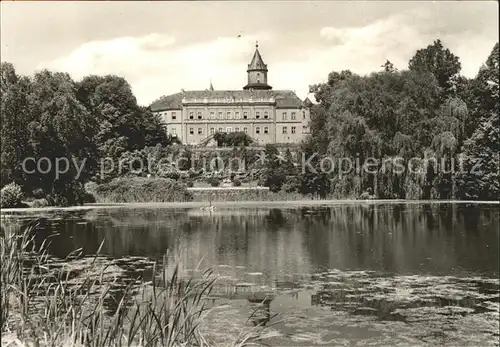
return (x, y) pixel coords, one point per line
(257, 63)
(257, 72)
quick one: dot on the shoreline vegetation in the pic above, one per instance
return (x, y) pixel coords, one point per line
(48, 304)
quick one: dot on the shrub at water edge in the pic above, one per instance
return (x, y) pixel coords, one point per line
(139, 189)
(11, 195)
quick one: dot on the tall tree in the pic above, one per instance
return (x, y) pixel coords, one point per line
(14, 117)
(123, 124)
(323, 91)
(441, 62)
(481, 178)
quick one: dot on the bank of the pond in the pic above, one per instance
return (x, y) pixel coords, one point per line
(243, 204)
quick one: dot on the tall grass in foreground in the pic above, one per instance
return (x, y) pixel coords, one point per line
(43, 305)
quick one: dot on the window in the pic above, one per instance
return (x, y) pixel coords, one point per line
(191, 115)
(266, 130)
(257, 130)
(220, 130)
(220, 115)
(229, 130)
(304, 129)
(285, 131)
(257, 115)
(303, 114)
(173, 131)
(237, 115)
(293, 130)
(174, 116)
(212, 131)
(191, 131)
(266, 115)
(293, 116)
(200, 131)
(245, 130)
(245, 115)
(284, 116)
(237, 129)
(228, 115)
(212, 115)
(199, 115)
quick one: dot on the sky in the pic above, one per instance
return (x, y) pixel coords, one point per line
(163, 47)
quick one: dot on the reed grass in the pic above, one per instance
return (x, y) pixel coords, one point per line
(43, 305)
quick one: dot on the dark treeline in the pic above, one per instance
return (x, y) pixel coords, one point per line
(51, 116)
(427, 111)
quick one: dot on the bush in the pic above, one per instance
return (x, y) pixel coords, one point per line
(174, 175)
(38, 203)
(291, 184)
(11, 195)
(189, 184)
(193, 174)
(214, 182)
(38, 193)
(138, 189)
(236, 183)
(70, 194)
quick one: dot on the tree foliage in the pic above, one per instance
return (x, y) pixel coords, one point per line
(49, 117)
(480, 178)
(439, 61)
(428, 112)
(232, 139)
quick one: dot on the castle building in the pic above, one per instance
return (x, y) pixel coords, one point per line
(266, 115)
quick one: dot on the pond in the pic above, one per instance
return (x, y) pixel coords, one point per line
(344, 274)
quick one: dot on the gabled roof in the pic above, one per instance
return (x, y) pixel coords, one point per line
(283, 98)
(257, 63)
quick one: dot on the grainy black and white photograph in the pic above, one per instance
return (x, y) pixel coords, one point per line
(249, 173)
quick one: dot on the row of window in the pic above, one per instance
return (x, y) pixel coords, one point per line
(258, 130)
(229, 115)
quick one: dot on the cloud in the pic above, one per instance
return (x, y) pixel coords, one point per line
(398, 37)
(157, 64)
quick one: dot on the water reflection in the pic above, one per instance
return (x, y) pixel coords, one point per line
(392, 262)
(426, 238)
